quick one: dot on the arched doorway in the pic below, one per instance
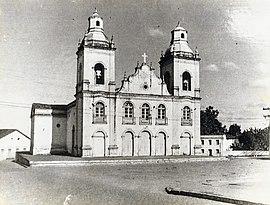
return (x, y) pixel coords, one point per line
(144, 144)
(98, 144)
(185, 144)
(128, 144)
(160, 144)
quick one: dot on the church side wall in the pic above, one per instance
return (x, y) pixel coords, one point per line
(42, 131)
(59, 131)
(71, 124)
(48, 130)
(79, 126)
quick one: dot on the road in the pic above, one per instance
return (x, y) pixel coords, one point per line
(245, 179)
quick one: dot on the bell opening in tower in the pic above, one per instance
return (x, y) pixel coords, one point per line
(99, 72)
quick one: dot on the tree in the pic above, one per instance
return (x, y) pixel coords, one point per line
(234, 133)
(253, 139)
(210, 125)
(234, 130)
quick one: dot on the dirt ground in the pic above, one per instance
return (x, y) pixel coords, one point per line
(245, 179)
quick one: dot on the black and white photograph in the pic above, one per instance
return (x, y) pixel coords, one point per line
(134, 102)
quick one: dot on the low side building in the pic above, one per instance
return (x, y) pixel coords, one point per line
(216, 145)
(12, 141)
(212, 145)
(50, 122)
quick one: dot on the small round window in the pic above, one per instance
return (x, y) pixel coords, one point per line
(145, 86)
(58, 125)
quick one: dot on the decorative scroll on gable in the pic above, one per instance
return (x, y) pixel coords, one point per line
(144, 81)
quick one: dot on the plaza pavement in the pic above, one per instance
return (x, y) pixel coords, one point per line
(140, 183)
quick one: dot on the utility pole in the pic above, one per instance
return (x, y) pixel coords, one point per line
(268, 117)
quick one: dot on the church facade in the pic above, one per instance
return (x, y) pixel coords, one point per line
(146, 116)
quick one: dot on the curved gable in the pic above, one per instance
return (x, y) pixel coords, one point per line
(144, 81)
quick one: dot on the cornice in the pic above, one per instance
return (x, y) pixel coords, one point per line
(136, 95)
(171, 56)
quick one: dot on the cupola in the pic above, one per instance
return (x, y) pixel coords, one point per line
(179, 42)
(95, 22)
(95, 36)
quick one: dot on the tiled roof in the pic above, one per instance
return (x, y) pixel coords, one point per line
(48, 106)
(5, 132)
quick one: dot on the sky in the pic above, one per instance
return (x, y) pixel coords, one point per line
(39, 39)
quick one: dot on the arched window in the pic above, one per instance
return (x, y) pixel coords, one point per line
(161, 111)
(186, 81)
(97, 23)
(182, 35)
(99, 114)
(99, 73)
(145, 111)
(100, 110)
(128, 117)
(129, 110)
(186, 113)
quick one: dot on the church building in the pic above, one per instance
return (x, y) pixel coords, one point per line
(146, 116)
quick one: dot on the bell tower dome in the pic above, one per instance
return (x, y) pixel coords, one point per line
(96, 35)
(179, 40)
(95, 22)
(95, 58)
(179, 66)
